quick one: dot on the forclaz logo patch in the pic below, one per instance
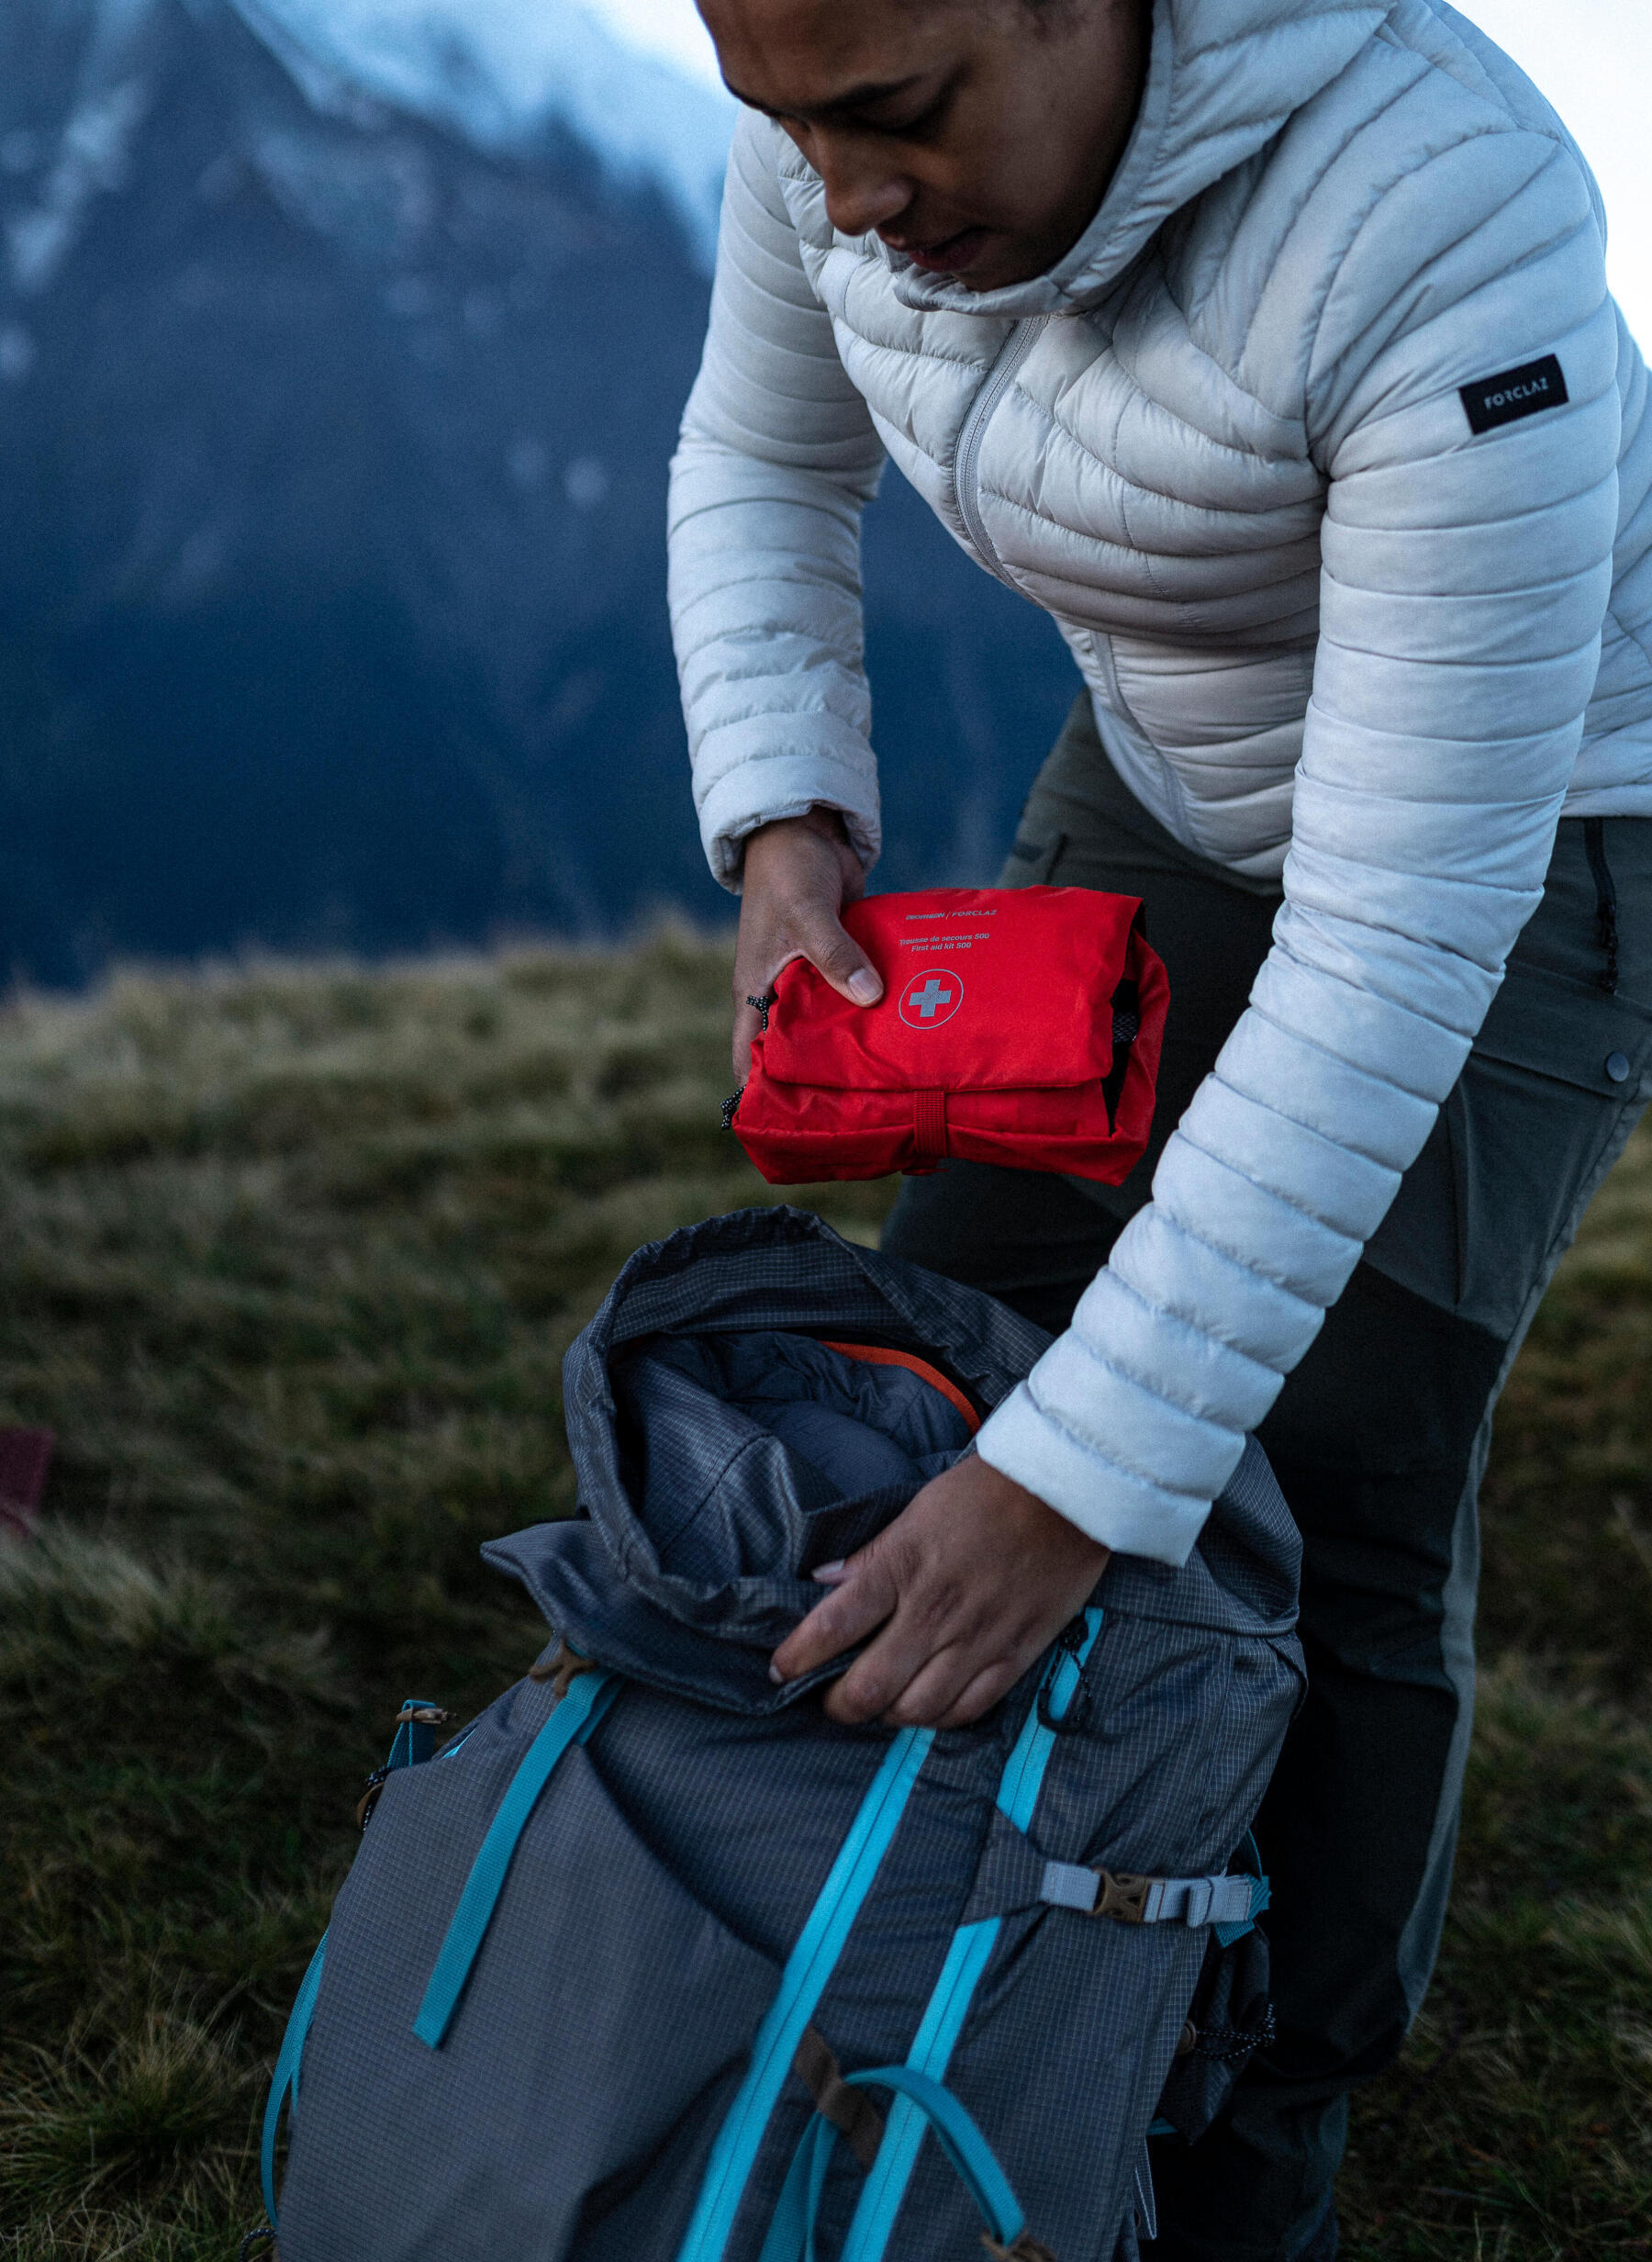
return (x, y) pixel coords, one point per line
(1525, 391)
(929, 998)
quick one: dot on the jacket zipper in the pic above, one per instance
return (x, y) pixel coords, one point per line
(966, 479)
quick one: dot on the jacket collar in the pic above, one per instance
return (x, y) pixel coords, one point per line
(1223, 78)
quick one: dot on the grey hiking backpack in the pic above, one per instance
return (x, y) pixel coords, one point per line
(654, 1963)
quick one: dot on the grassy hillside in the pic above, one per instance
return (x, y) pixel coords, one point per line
(288, 1260)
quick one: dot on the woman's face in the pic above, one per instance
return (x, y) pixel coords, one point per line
(976, 136)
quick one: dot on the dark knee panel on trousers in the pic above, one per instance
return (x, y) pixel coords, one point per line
(1374, 1440)
(1033, 1241)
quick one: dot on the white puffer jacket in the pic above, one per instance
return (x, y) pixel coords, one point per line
(1225, 442)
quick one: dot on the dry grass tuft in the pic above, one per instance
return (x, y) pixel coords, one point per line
(162, 2111)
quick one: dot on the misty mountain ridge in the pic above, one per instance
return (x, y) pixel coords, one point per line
(499, 71)
(339, 375)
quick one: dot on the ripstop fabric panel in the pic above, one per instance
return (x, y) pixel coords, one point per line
(665, 2025)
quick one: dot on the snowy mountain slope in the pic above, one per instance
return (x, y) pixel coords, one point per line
(84, 150)
(333, 445)
(497, 70)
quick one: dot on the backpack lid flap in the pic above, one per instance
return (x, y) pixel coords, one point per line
(723, 1448)
(729, 1433)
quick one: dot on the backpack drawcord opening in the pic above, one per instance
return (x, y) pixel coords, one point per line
(1230, 2045)
(1606, 925)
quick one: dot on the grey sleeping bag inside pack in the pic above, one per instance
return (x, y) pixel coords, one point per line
(608, 1969)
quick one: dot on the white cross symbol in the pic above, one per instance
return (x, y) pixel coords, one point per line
(930, 999)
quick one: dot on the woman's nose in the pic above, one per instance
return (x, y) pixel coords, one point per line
(863, 191)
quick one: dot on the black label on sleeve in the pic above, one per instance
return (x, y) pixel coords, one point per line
(1525, 391)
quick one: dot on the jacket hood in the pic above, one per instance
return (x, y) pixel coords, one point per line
(1223, 78)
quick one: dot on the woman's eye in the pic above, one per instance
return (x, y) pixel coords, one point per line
(917, 122)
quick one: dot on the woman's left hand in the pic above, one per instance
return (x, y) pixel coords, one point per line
(971, 1581)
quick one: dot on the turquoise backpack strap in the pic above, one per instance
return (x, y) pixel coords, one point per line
(414, 1742)
(1024, 1771)
(808, 1969)
(791, 2232)
(285, 2077)
(971, 1949)
(574, 1720)
(1260, 1892)
(416, 1726)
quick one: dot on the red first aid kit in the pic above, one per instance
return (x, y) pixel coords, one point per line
(1017, 1025)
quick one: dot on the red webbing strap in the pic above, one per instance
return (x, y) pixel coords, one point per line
(929, 1123)
(880, 1355)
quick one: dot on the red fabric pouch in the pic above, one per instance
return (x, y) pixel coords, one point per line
(1017, 1025)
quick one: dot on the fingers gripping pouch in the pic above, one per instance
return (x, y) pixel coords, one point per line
(1017, 1025)
(654, 1963)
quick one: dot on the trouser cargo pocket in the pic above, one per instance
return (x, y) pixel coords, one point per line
(1555, 1084)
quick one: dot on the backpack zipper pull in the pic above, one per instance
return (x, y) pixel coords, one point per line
(1068, 1721)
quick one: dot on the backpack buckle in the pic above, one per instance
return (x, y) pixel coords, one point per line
(1123, 1897)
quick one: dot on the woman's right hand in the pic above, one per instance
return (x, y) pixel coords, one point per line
(798, 874)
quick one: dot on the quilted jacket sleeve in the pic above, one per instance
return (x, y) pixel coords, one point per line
(777, 459)
(1464, 583)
